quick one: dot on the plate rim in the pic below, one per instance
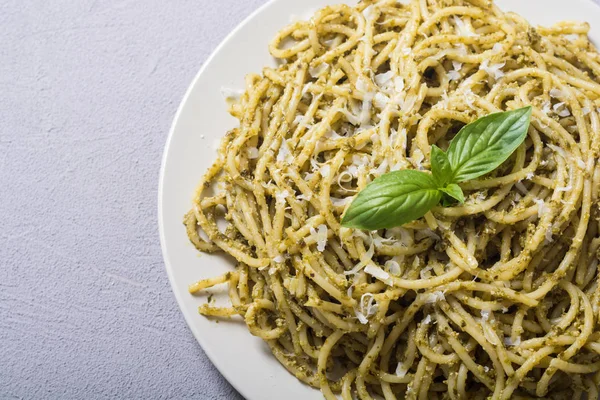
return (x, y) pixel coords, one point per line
(161, 225)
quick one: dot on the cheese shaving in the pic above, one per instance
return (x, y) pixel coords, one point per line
(564, 111)
(509, 342)
(341, 202)
(393, 267)
(434, 297)
(542, 207)
(377, 272)
(282, 195)
(401, 370)
(319, 70)
(493, 70)
(284, 154)
(556, 93)
(252, 153)
(463, 29)
(320, 236)
(229, 93)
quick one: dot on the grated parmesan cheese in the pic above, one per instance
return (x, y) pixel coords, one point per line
(463, 29)
(365, 312)
(380, 241)
(368, 13)
(485, 315)
(320, 236)
(284, 152)
(278, 259)
(434, 297)
(454, 74)
(299, 119)
(384, 80)
(363, 87)
(393, 267)
(229, 93)
(304, 197)
(380, 170)
(418, 158)
(469, 97)
(281, 196)
(252, 153)
(409, 103)
(377, 272)
(401, 370)
(341, 202)
(399, 84)
(381, 100)
(363, 260)
(331, 134)
(423, 273)
(353, 119)
(565, 188)
(365, 114)
(542, 207)
(562, 113)
(556, 93)
(547, 107)
(317, 71)
(361, 317)
(345, 176)
(494, 70)
(462, 49)
(508, 341)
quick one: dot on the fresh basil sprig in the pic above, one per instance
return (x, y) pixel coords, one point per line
(392, 200)
(399, 197)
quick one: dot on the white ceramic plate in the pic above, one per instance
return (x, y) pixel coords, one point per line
(201, 121)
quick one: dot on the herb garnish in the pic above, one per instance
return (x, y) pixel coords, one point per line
(399, 197)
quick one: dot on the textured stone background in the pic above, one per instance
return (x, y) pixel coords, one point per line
(88, 92)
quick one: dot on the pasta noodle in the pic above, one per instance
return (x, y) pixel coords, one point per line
(496, 298)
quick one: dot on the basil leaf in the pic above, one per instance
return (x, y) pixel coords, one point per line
(455, 192)
(440, 166)
(392, 200)
(482, 146)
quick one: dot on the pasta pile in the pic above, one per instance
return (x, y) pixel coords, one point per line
(496, 298)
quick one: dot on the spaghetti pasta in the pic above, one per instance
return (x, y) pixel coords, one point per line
(496, 298)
